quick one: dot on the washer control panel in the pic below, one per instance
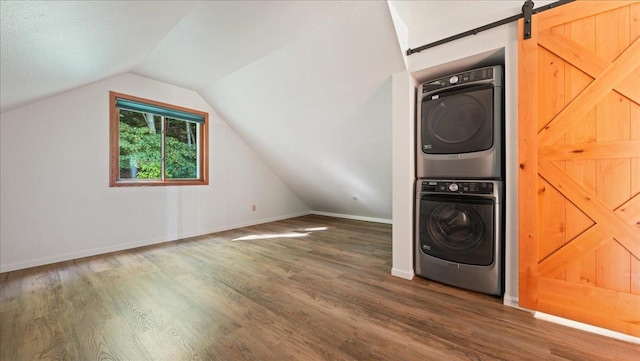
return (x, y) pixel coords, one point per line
(457, 187)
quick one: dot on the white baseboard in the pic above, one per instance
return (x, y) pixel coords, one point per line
(408, 275)
(586, 327)
(97, 251)
(358, 218)
(514, 302)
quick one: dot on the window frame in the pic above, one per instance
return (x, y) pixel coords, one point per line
(114, 146)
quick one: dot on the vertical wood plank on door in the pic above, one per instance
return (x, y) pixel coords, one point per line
(614, 175)
(614, 181)
(551, 89)
(635, 176)
(582, 171)
(634, 19)
(528, 167)
(552, 224)
(634, 33)
(613, 260)
(613, 36)
(635, 280)
(615, 276)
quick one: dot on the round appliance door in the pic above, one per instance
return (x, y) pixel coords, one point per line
(458, 122)
(458, 229)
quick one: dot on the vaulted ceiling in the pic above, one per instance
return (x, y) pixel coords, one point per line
(306, 84)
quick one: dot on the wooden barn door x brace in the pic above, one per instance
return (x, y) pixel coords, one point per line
(579, 163)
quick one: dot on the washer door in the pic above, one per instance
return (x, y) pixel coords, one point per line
(458, 122)
(458, 229)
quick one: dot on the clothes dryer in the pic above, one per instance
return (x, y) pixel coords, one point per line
(459, 130)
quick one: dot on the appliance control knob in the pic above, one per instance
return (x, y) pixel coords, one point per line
(454, 79)
(453, 187)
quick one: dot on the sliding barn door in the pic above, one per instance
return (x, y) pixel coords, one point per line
(579, 160)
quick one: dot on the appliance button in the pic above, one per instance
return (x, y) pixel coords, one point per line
(453, 80)
(453, 187)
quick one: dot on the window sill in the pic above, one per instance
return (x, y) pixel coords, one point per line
(146, 183)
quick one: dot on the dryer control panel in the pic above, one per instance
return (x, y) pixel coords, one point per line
(460, 78)
(457, 187)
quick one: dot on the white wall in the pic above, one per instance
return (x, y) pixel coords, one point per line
(55, 200)
(318, 111)
(435, 62)
(403, 113)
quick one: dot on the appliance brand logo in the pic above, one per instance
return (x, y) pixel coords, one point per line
(454, 156)
(427, 146)
(453, 265)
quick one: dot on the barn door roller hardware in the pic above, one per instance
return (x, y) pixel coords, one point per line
(527, 12)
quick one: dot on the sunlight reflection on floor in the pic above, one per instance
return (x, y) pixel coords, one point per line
(296, 233)
(267, 236)
(315, 229)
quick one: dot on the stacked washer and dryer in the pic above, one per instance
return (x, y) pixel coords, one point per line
(459, 224)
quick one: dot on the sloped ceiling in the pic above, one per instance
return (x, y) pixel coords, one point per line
(218, 38)
(305, 83)
(48, 47)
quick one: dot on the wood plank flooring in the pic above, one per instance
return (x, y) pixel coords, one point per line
(308, 288)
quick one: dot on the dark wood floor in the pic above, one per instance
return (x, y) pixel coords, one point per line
(326, 295)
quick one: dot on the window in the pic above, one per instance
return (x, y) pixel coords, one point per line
(156, 144)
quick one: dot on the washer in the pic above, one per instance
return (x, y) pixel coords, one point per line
(459, 130)
(459, 233)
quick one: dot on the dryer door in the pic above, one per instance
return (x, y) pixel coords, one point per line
(457, 122)
(458, 229)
